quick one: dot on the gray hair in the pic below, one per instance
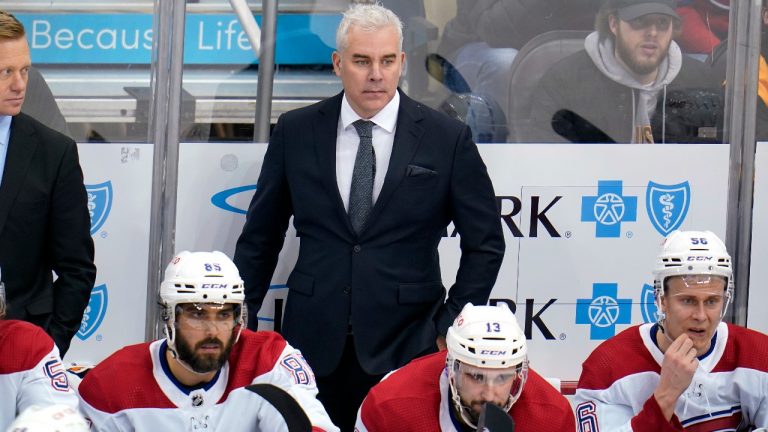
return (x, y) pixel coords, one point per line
(368, 17)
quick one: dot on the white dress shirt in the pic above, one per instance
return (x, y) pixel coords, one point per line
(347, 141)
(5, 134)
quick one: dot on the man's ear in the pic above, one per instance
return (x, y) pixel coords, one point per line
(613, 24)
(336, 60)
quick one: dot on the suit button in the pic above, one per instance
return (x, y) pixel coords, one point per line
(347, 289)
(356, 248)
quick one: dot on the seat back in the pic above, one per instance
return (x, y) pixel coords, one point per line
(530, 64)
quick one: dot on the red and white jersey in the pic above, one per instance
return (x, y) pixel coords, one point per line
(729, 389)
(133, 389)
(416, 398)
(31, 372)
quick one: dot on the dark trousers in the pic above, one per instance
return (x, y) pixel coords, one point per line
(342, 392)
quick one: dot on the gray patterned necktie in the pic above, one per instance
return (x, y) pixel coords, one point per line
(361, 192)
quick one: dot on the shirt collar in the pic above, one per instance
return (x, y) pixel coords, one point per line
(5, 129)
(385, 119)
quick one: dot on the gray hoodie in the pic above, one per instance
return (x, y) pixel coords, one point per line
(644, 96)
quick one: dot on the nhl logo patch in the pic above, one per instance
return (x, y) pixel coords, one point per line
(94, 313)
(667, 205)
(99, 204)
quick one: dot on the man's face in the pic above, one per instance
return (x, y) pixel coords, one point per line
(14, 69)
(641, 44)
(478, 386)
(370, 68)
(201, 330)
(693, 305)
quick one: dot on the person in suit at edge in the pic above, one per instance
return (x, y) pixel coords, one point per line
(44, 218)
(366, 295)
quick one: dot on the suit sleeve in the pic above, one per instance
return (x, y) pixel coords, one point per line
(261, 240)
(70, 251)
(475, 214)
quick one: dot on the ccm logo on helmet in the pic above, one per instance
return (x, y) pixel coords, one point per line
(699, 258)
(215, 286)
(492, 352)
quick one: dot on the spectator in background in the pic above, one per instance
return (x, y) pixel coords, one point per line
(689, 370)
(31, 373)
(618, 88)
(486, 362)
(705, 25)
(484, 37)
(44, 219)
(372, 179)
(194, 379)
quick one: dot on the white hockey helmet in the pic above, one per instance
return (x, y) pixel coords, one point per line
(52, 418)
(486, 337)
(687, 253)
(199, 278)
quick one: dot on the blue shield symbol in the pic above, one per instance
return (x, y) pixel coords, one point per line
(99, 204)
(95, 312)
(648, 304)
(667, 205)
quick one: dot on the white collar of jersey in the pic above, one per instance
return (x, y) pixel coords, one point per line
(446, 405)
(707, 363)
(182, 397)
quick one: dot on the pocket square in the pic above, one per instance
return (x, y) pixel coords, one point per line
(415, 171)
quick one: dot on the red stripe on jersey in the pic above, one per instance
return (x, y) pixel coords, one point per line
(722, 423)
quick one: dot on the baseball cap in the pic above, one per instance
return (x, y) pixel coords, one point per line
(631, 9)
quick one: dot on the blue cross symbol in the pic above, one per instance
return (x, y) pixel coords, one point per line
(603, 311)
(609, 208)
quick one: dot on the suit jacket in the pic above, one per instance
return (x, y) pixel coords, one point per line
(385, 282)
(45, 226)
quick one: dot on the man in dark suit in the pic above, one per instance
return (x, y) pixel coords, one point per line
(44, 220)
(366, 295)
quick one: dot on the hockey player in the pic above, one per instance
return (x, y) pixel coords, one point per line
(688, 371)
(486, 362)
(195, 377)
(31, 372)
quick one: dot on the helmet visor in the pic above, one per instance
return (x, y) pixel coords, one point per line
(491, 385)
(205, 316)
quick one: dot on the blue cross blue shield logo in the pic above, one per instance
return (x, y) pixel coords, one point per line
(667, 205)
(94, 313)
(603, 311)
(648, 304)
(99, 204)
(609, 208)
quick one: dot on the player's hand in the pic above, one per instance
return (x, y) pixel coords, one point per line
(677, 370)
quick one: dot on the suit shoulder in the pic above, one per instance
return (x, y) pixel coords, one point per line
(49, 136)
(24, 345)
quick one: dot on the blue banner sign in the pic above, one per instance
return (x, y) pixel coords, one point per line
(78, 38)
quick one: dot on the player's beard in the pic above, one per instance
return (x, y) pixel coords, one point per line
(203, 363)
(638, 63)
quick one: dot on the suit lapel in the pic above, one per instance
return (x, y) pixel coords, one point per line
(407, 140)
(21, 147)
(325, 129)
